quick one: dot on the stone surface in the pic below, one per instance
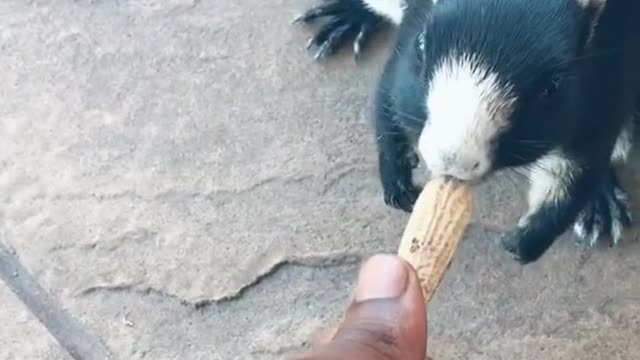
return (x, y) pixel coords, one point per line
(21, 334)
(190, 184)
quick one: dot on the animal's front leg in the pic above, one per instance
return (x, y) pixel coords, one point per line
(347, 19)
(559, 191)
(396, 161)
(396, 157)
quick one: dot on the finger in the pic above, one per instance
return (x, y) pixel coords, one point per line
(369, 287)
(387, 319)
(390, 304)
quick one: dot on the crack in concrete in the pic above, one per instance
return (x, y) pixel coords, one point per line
(169, 194)
(314, 260)
(332, 178)
(336, 179)
(134, 288)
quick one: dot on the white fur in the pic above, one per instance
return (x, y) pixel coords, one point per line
(599, 5)
(590, 235)
(467, 107)
(549, 177)
(579, 230)
(617, 228)
(624, 144)
(585, 3)
(390, 9)
(617, 213)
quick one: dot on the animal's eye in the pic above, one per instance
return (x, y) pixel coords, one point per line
(551, 87)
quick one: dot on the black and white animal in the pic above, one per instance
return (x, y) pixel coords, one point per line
(545, 88)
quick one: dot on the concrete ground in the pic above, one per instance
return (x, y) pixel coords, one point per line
(186, 183)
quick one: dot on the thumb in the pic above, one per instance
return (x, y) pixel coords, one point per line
(386, 321)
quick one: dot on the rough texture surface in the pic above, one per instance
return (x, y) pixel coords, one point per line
(189, 184)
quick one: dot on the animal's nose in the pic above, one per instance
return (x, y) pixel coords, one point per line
(466, 167)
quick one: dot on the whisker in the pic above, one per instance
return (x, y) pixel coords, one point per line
(590, 56)
(516, 174)
(416, 120)
(510, 178)
(522, 173)
(399, 112)
(538, 167)
(533, 146)
(389, 133)
(532, 141)
(404, 126)
(533, 166)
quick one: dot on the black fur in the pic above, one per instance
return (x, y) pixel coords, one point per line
(608, 88)
(573, 96)
(399, 113)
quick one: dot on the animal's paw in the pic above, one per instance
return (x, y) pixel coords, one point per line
(347, 19)
(515, 246)
(526, 243)
(413, 160)
(401, 194)
(396, 173)
(606, 215)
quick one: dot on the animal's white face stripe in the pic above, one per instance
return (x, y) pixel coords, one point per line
(467, 107)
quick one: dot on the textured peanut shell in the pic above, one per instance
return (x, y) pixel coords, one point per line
(437, 224)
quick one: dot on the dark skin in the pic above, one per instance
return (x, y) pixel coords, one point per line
(385, 321)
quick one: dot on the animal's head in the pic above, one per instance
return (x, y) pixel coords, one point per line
(500, 81)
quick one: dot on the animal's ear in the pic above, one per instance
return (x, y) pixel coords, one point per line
(592, 11)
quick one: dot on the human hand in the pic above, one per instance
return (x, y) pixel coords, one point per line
(386, 320)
